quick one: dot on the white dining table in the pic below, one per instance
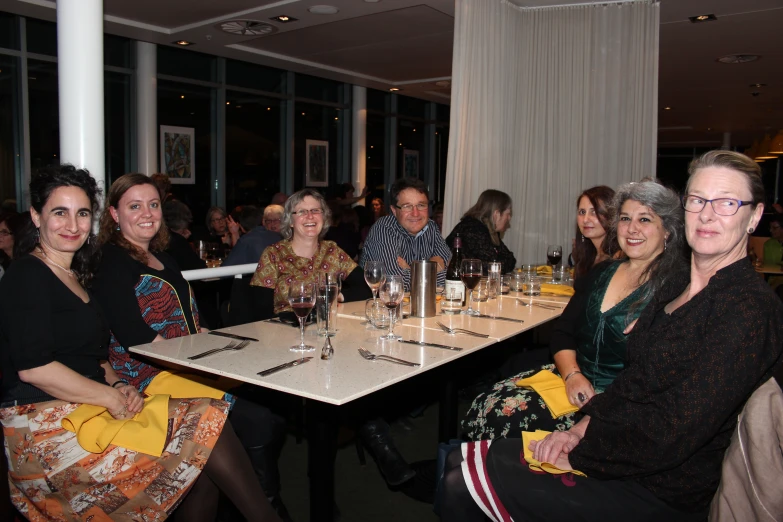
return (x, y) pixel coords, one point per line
(346, 377)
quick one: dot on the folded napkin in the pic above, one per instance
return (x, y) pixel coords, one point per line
(544, 270)
(563, 290)
(96, 429)
(535, 465)
(552, 389)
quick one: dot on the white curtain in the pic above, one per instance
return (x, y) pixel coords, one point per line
(547, 102)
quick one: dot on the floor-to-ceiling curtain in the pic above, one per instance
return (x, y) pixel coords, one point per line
(547, 102)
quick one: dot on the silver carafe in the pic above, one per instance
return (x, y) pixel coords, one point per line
(424, 278)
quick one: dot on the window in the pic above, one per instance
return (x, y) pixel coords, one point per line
(10, 145)
(314, 88)
(41, 37)
(376, 146)
(117, 125)
(252, 76)
(44, 114)
(9, 31)
(316, 122)
(187, 64)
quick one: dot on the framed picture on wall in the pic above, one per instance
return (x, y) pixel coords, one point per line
(317, 163)
(410, 163)
(178, 154)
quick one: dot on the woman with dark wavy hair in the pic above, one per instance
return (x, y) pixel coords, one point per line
(593, 221)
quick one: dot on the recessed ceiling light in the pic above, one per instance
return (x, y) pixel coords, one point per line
(324, 9)
(228, 103)
(702, 18)
(394, 89)
(283, 19)
(667, 108)
(757, 85)
(183, 43)
(739, 58)
(182, 96)
(443, 83)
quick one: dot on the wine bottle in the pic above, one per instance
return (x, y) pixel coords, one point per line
(453, 279)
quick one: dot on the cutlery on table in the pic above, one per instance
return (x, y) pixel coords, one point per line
(388, 358)
(499, 318)
(232, 346)
(283, 366)
(460, 330)
(541, 305)
(423, 343)
(232, 336)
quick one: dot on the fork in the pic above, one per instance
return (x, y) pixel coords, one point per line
(545, 306)
(232, 346)
(450, 330)
(371, 357)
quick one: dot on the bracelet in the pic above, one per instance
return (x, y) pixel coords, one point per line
(120, 381)
(571, 375)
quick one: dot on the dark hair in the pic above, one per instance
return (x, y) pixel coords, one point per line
(286, 229)
(177, 215)
(734, 161)
(162, 183)
(250, 217)
(23, 228)
(408, 183)
(7, 216)
(488, 202)
(108, 231)
(775, 218)
(42, 185)
(584, 253)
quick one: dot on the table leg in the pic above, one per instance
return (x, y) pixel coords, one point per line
(321, 451)
(447, 413)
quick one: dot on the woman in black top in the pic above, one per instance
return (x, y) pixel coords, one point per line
(53, 350)
(482, 228)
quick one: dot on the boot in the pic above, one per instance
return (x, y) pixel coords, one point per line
(376, 437)
(264, 462)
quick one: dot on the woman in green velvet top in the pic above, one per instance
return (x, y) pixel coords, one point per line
(588, 344)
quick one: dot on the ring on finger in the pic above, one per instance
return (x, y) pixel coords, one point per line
(582, 397)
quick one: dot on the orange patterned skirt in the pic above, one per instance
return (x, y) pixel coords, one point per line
(52, 478)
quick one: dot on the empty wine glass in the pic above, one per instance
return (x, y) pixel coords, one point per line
(470, 274)
(374, 274)
(391, 292)
(301, 297)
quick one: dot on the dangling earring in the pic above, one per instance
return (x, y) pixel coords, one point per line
(583, 238)
(37, 235)
(118, 226)
(88, 238)
(664, 245)
(750, 230)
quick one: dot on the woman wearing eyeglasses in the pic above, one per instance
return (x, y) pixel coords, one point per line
(652, 444)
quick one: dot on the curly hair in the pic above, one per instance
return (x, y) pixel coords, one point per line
(108, 230)
(584, 251)
(286, 226)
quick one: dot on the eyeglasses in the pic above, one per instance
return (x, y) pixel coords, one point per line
(721, 206)
(5, 233)
(421, 207)
(312, 212)
(215, 220)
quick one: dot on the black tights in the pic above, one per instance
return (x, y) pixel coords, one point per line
(228, 470)
(456, 504)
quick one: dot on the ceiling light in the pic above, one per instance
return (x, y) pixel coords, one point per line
(757, 85)
(702, 18)
(182, 97)
(228, 103)
(443, 83)
(183, 43)
(667, 108)
(283, 19)
(739, 58)
(324, 10)
(269, 108)
(394, 89)
(763, 151)
(776, 147)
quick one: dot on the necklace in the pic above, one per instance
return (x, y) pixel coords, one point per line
(61, 267)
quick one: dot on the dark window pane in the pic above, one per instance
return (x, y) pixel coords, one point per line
(410, 150)
(44, 113)
(116, 102)
(443, 112)
(252, 76)
(9, 122)
(316, 122)
(317, 88)
(188, 64)
(9, 31)
(183, 105)
(376, 145)
(116, 50)
(252, 149)
(441, 155)
(376, 100)
(412, 107)
(41, 37)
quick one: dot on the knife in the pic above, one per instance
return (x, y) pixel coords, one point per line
(422, 343)
(232, 336)
(291, 364)
(501, 318)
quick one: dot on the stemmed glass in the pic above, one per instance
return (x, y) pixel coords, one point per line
(470, 274)
(554, 253)
(374, 274)
(301, 297)
(391, 292)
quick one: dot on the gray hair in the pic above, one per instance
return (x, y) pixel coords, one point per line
(273, 210)
(210, 213)
(666, 204)
(286, 226)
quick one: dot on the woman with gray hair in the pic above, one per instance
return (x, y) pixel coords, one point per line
(588, 344)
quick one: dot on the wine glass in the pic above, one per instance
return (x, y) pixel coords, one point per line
(554, 253)
(301, 297)
(374, 274)
(391, 292)
(470, 274)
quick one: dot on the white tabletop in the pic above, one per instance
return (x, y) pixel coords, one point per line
(347, 376)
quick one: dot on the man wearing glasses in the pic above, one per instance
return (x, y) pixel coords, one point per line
(408, 234)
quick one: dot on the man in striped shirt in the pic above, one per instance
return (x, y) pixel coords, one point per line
(407, 235)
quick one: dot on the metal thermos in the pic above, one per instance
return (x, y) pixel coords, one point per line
(424, 278)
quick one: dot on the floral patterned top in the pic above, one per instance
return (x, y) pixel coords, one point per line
(279, 266)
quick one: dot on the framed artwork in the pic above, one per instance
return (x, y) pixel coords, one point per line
(317, 163)
(410, 163)
(177, 154)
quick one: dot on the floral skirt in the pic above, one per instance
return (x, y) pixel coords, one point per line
(52, 478)
(505, 411)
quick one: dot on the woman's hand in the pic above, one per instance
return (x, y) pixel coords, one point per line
(133, 399)
(579, 390)
(554, 447)
(233, 227)
(117, 405)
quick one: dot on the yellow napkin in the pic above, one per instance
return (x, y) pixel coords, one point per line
(96, 429)
(544, 270)
(563, 290)
(552, 389)
(535, 465)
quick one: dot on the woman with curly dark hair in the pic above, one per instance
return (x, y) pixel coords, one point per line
(593, 221)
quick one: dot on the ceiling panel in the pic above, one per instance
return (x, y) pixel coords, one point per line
(176, 13)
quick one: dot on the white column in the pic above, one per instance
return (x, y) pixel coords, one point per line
(359, 140)
(80, 74)
(147, 107)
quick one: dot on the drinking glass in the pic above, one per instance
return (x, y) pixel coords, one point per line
(554, 253)
(494, 273)
(377, 314)
(470, 274)
(326, 301)
(391, 292)
(374, 275)
(301, 297)
(451, 303)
